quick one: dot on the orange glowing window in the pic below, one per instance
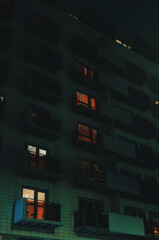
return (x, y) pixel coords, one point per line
(37, 157)
(87, 134)
(35, 203)
(156, 231)
(93, 103)
(85, 100)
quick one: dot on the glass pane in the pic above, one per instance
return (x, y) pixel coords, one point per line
(42, 152)
(93, 104)
(41, 197)
(30, 209)
(28, 193)
(32, 149)
(40, 211)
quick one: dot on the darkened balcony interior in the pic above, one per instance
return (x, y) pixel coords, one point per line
(40, 167)
(5, 39)
(152, 229)
(37, 214)
(141, 127)
(6, 9)
(86, 49)
(155, 109)
(135, 74)
(154, 84)
(44, 57)
(43, 88)
(86, 76)
(136, 99)
(149, 191)
(41, 124)
(45, 28)
(89, 175)
(4, 66)
(87, 139)
(91, 222)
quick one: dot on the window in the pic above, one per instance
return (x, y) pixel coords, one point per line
(84, 70)
(136, 212)
(150, 179)
(156, 229)
(39, 117)
(91, 205)
(44, 22)
(85, 100)
(37, 157)
(89, 171)
(87, 134)
(35, 203)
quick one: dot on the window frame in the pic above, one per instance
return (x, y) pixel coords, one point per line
(85, 67)
(89, 105)
(90, 128)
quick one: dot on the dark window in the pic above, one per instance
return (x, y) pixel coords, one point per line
(35, 203)
(89, 171)
(125, 139)
(150, 179)
(38, 117)
(37, 157)
(47, 23)
(4, 66)
(90, 205)
(85, 100)
(87, 134)
(136, 212)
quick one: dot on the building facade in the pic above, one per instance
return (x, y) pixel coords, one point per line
(79, 128)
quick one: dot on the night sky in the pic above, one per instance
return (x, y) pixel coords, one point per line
(139, 17)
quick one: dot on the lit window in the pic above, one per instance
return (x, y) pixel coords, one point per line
(35, 203)
(1, 99)
(84, 70)
(156, 102)
(37, 157)
(123, 44)
(156, 230)
(87, 134)
(83, 99)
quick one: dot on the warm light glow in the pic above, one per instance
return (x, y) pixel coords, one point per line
(156, 102)
(118, 41)
(1, 99)
(28, 193)
(123, 44)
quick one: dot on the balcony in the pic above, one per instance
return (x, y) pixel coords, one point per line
(42, 125)
(122, 183)
(135, 98)
(44, 57)
(118, 146)
(45, 29)
(45, 168)
(50, 219)
(92, 83)
(43, 88)
(6, 9)
(4, 65)
(89, 179)
(86, 49)
(135, 74)
(118, 114)
(94, 223)
(5, 40)
(125, 226)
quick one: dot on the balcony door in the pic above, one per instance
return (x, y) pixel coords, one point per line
(35, 203)
(37, 157)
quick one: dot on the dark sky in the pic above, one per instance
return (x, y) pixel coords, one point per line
(139, 17)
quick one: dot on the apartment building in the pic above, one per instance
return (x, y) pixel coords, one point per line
(79, 131)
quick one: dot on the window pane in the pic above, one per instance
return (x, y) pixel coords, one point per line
(94, 136)
(28, 193)
(42, 152)
(31, 149)
(91, 73)
(93, 104)
(41, 196)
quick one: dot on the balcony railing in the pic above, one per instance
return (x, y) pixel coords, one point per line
(44, 168)
(44, 57)
(90, 222)
(45, 29)
(43, 125)
(43, 88)
(48, 218)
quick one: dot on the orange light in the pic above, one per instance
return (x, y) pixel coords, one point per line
(91, 73)
(93, 104)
